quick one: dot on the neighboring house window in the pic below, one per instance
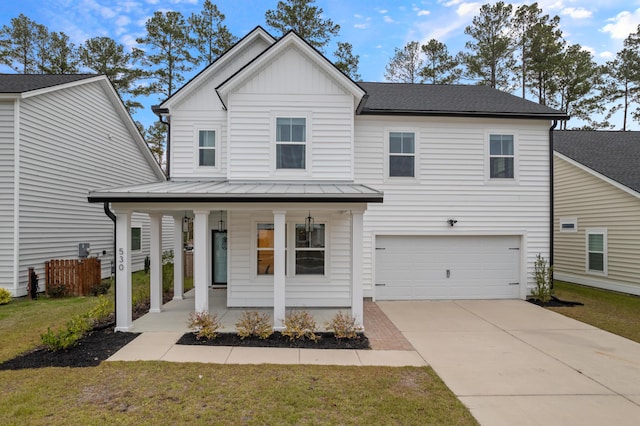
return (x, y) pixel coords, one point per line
(402, 152)
(569, 224)
(310, 250)
(291, 138)
(501, 156)
(597, 250)
(207, 148)
(136, 238)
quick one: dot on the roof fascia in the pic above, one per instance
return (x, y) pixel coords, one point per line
(465, 114)
(229, 55)
(10, 96)
(62, 86)
(597, 174)
(289, 39)
(207, 198)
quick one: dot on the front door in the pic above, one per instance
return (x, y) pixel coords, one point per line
(219, 256)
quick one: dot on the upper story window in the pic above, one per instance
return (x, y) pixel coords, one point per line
(291, 138)
(402, 153)
(207, 148)
(501, 157)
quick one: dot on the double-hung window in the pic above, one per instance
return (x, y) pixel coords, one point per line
(207, 148)
(402, 153)
(310, 250)
(136, 238)
(597, 250)
(501, 157)
(291, 139)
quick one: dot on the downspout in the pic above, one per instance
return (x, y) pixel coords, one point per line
(112, 216)
(551, 199)
(162, 112)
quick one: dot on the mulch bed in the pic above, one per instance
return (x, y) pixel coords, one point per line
(277, 340)
(554, 303)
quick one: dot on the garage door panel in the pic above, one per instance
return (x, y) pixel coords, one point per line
(473, 267)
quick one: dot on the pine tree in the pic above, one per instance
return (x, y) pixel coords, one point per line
(526, 16)
(22, 43)
(440, 67)
(544, 59)
(346, 61)
(405, 65)
(210, 36)
(305, 19)
(61, 55)
(156, 135)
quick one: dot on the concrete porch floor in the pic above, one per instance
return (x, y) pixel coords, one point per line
(175, 314)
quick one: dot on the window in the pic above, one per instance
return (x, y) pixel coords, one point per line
(569, 224)
(291, 137)
(207, 148)
(597, 250)
(136, 238)
(501, 156)
(265, 249)
(402, 152)
(310, 249)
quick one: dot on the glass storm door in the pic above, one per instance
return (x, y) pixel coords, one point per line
(219, 257)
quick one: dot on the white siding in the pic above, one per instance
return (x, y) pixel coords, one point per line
(72, 141)
(450, 183)
(247, 289)
(596, 204)
(6, 193)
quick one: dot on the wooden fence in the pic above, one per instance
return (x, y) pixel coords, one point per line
(72, 277)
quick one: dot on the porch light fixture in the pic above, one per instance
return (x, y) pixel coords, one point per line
(221, 224)
(309, 223)
(185, 223)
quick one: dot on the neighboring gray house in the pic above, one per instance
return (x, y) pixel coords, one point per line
(331, 190)
(61, 135)
(597, 209)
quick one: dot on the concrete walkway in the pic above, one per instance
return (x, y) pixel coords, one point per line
(513, 363)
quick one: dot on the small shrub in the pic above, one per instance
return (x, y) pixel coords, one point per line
(5, 296)
(343, 326)
(543, 275)
(66, 337)
(298, 325)
(101, 288)
(204, 325)
(253, 323)
(56, 290)
(101, 309)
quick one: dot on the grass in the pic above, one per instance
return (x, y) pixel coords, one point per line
(615, 312)
(173, 393)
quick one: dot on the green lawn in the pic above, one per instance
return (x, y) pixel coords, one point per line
(615, 312)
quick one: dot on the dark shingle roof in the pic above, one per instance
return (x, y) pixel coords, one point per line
(450, 100)
(20, 83)
(613, 154)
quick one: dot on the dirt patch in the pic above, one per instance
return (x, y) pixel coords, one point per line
(277, 340)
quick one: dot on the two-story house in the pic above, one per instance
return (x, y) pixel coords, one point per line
(308, 189)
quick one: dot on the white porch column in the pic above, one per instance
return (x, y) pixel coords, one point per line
(279, 300)
(200, 231)
(155, 255)
(178, 257)
(357, 226)
(123, 271)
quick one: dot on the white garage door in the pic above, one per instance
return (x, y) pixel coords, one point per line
(447, 267)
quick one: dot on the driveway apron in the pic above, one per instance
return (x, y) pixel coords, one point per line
(511, 362)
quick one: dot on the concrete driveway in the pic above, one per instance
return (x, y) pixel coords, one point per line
(513, 363)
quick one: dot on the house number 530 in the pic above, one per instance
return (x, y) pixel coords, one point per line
(121, 259)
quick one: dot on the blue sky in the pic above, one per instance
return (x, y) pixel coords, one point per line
(374, 27)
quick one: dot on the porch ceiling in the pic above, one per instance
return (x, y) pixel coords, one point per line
(249, 192)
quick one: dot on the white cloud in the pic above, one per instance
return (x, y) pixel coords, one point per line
(361, 26)
(383, 11)
(623, 24)
(607, 55)
(576, 13)
(123, 20)
(388, 19)
(452, 3)
(357, 16)
(423, 12)
(468, 9)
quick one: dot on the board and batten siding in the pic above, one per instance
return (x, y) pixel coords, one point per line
(451, 183)
(247, 289)
(7, 185)
(596, 204)
(72, 141)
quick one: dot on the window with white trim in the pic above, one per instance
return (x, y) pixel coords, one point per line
(501, 156)
(265, 238)
(568, 224)
(310, 250)
(596, 250)
(136, 238)
(291, 141)
(402, 154)
(206, 148)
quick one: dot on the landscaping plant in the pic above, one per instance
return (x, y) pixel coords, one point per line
(544, 279)
(253, 323)
(298, 325)
(343, 326)
(204, 325)
(5, 296)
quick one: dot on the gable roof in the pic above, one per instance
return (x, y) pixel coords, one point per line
(450, 100)
(291, 38)
(613, 154)
(21, 83)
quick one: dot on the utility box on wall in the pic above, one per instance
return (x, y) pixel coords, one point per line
(83, 250)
